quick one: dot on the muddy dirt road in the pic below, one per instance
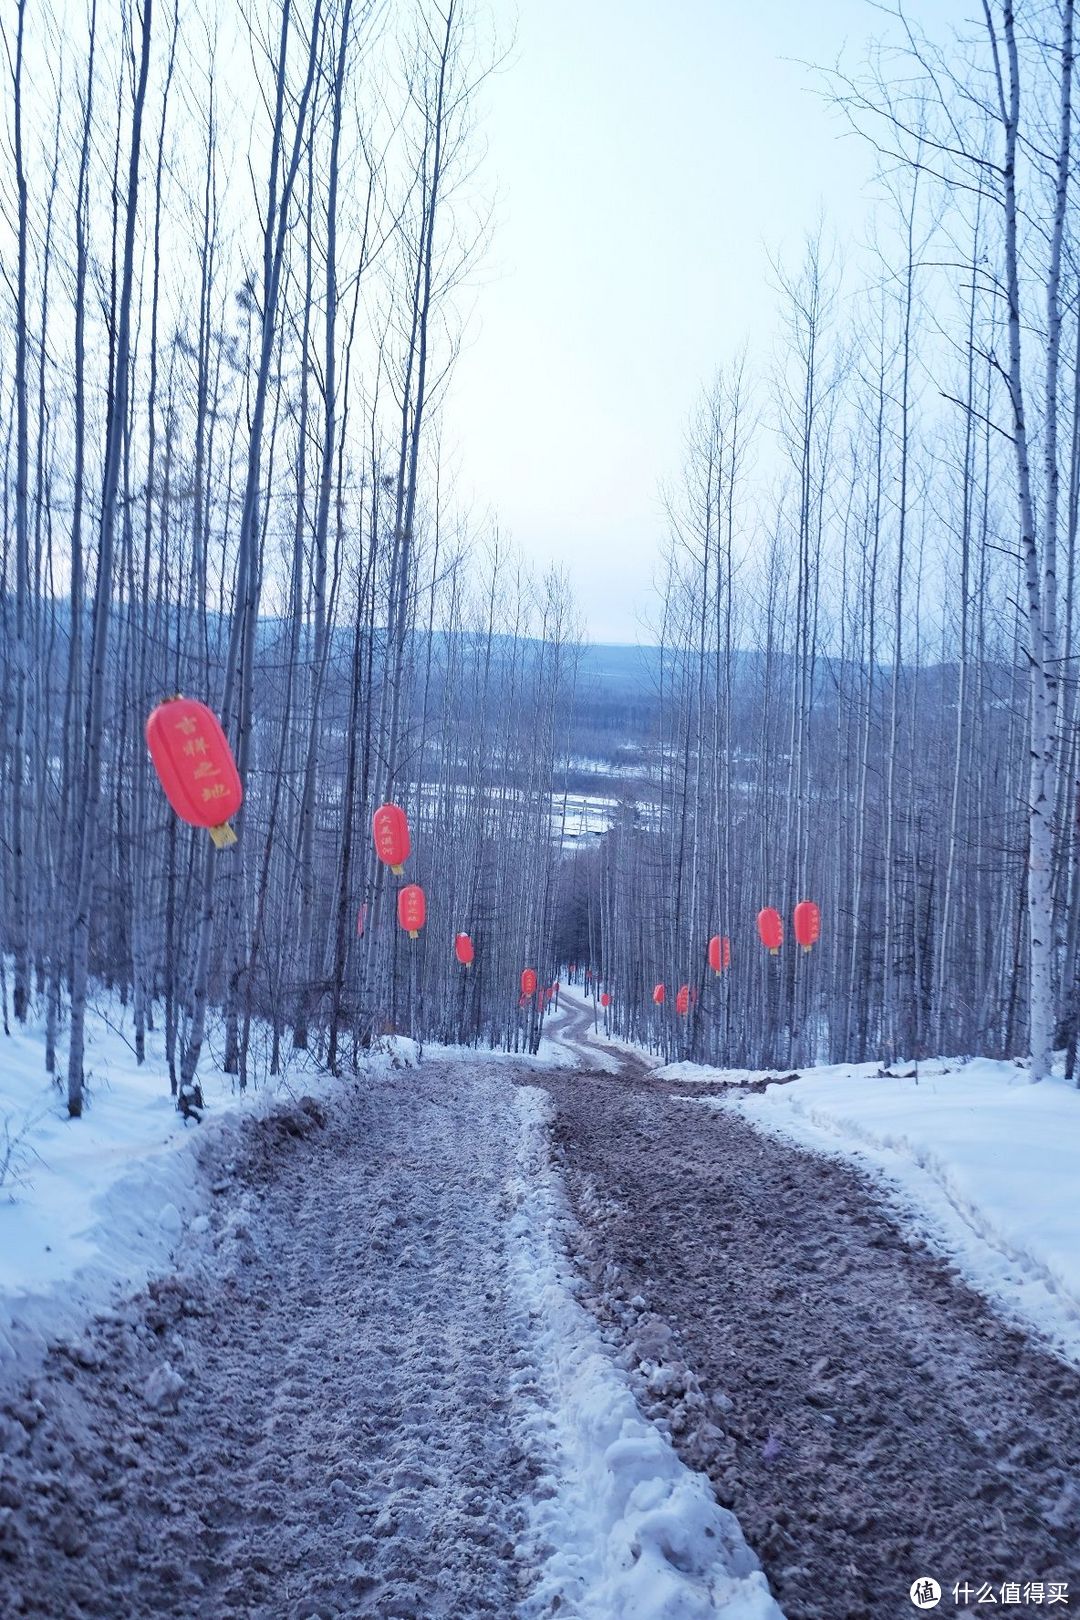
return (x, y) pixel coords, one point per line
(313, 1425)
(863, 1412)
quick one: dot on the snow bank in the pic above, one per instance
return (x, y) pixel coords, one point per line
(700, 1074)
(620, 1527)
(97, 1202)
(983, 1165)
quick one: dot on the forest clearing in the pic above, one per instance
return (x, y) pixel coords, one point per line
(539, 809)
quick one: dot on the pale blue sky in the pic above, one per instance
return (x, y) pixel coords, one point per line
(648, 157)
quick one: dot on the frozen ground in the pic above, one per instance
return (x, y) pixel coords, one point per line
(390, 1374)
(366, 1389)
(865, 1414)
(980, 1165)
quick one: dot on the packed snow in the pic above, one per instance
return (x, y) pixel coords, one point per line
(616, 1524)
(588, 1026)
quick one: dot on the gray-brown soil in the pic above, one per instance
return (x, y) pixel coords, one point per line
(864, 1413)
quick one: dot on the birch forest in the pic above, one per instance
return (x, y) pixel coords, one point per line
(239, 248)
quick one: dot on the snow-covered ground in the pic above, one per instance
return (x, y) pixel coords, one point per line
(88, 1204)
(600, 1046)
(616, 1527)
(984, 1164)
(981, 1163)
(553, 1052)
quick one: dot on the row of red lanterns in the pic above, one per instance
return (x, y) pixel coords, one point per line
(807, 921)
(806, 918)
(393, 845)
(197, 771)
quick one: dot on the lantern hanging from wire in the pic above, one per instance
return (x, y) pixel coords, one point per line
(195, 766)
(807, 920)
(682, 1000)
(528, 982)
(412, 909)
(659, 994)
(770, 928)
(719, 953)
(390, 829)
(463, 950)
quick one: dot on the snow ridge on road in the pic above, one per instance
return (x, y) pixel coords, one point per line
(619, 1525)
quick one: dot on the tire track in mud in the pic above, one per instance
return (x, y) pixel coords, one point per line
(863, 1412)
(313, 1420)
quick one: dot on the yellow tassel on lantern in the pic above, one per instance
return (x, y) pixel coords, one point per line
(223, 836)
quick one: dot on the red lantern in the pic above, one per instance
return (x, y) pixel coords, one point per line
(528, 981)
(605, 1000)
(463, 949)
(659, 995)
(719, 953)
(390, 827)
(682, 1000)
(411, 909)
(807, 923)
(771, 929)
(195, 766)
